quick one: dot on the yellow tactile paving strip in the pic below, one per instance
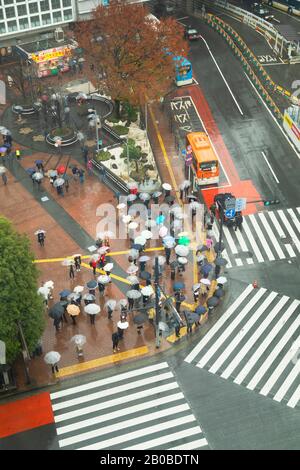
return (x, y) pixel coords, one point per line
(102, 361)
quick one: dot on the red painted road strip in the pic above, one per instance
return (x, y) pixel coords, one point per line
(239, 188)
(26, 414)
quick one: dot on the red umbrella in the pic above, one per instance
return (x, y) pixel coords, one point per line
(61, 169)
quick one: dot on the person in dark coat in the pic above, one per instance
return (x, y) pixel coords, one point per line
(77, 260)
(93, 265)
(71, 272)
(115, 340)
(101, 288)
(41, 238)
(4, 178)
(130, 304)
(168, 255)
(179, 298)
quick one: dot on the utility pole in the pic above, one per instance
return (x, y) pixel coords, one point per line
(157, 308)
(25, 352)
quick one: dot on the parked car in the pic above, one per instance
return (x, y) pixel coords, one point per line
(191, 33)
(260, 10)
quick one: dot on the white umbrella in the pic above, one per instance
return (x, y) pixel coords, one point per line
(133, 279)
(161, 260)
(132, 269)
(169, 244)
(167, 186)
(220, 280)
(144, 259)
(205, 281)
(131, 197)
(108, 267)
(177, 224)
(194, 205)
(186, 184)
(150, 223)
(133, 253)
(2, 170)
(123, 325)
(52, 173)
(92, 309)
(180, 215)
(147, 234)
(58, 182)
(182, 260)
(147, 291)
(5, 132)
(107, 233)
(140, 240)
(79, 340)
(133, 294)
(68, 262)
(81, 96)
(181, 250)
(76, 255)
(123, 303)
(103, 279)
(111, 303)
(103, 249)
(163, 231)
(43, 291)
(196, 287)
(49, 284)
(126, 219)
(132, 185)
(52, 357)
(121, 205)
(39, 231)
(144, 196)
(37, 176)
(183, 234)
(175, 209)
(95, 257)
(78, 289)
(133, 225)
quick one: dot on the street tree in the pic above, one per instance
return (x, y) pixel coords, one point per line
(131, 53)
(19, 301)
(19, 79)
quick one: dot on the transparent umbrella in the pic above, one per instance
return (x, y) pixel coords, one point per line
(140, 240)
(205, 281)
(182, 260)
(103, 249)
(39, 231)
(134, 254)
(108, 267)
(147, 291)
(52, 357)
(133, 294)
(123, 303)
(181, 250)
(68, 262)
(144, 196)
(58, 182)
(147, 234)
(121, 206)
(144, 259)
(220, 280)
(37, 176)
(49, 284)
(163, 231)
(79, 340)
(78, 289)
(2, 170)
(132, 269)
(103, 279)
(132, 279)
(126, 219)
(92, 309)
(44, 291)
(111, 303)
(131, 197)
(95, 257)
(133, 225)
(167, 186)
(89, 297)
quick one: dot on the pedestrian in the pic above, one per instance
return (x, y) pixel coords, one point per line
(75, 172)
(177, 328)
(81, 175)
(89, 166)
(213, 209)
(179, 298)
(102, 260)
(92, 318)
(238, 220)
(67, 185)
(109, 312)
(93, 265)
(130, 304)
(41, 238)
(151, 315)
(85, 153)
(196, 294)
(168, 255)
(92, 67)
(54, 368)
(173, 272)
(56, 323)
(4, 178)
(101, 288)
(209, 243)
(199, 258)
(77, 261)
(181, 193)
(71, 271)
(115, 340)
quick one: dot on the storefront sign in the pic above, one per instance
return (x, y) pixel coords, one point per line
(50, 54)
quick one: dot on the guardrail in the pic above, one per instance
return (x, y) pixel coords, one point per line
(115, 180)
(278, 43)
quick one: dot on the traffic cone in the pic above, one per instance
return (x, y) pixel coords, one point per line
(255, 284)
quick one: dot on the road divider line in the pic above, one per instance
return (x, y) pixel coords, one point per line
(271, 169)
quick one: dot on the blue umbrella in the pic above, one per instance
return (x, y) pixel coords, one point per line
(178, 286)
(92, 284)
(38, 162)
(206, 268)
(168, 239)
(65, 293)
(30, 171)
(160, 219)
(136, 246)
(200, 310)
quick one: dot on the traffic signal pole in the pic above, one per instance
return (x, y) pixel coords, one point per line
(157, 309)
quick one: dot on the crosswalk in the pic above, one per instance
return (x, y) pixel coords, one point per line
(140, 409)
(265, 236)
(256, 343)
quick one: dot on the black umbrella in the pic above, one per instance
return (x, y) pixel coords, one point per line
(221, 262)
(213, 301)
(192, 317)
(56, 311)
(145, 275)
(219, 293)
(200, 310)
(140, 319)
(92, 284)
(217, 245)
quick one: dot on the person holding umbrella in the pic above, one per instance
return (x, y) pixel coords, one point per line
(93, 264)
(77, 261)
(52, 358)
(179, 298)
(71, 271)
(115, 341)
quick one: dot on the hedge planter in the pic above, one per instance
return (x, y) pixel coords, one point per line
(27, 110)
(67, 135)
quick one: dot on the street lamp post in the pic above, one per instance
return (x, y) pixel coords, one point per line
(157, 308)
(98, 126)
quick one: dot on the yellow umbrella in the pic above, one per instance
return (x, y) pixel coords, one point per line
(73, 310)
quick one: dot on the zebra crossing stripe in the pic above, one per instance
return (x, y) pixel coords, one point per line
(294, 398)
(116, 402)
(242, 333)
(192, 445)
(140, 433)
(265, 366)
(252, 340)
(294, 219)
(108, 380)
(289, 228)
(241, 241)
(230, 240)
(172, 437)
(104, 393)
(266, 342)
(216, 345)
(119, 413)
(261, 238)
(124, 424)
(252, 242)
(287, 358)
(271, 235)
(219, 324)
(224, 253)
(288, 382)
(281, 234)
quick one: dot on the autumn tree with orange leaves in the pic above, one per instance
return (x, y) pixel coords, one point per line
(132, 49)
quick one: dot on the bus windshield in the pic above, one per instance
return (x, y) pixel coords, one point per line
(207, 166)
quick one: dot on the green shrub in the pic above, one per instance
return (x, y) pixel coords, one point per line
(121, 130)
(103, 156)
